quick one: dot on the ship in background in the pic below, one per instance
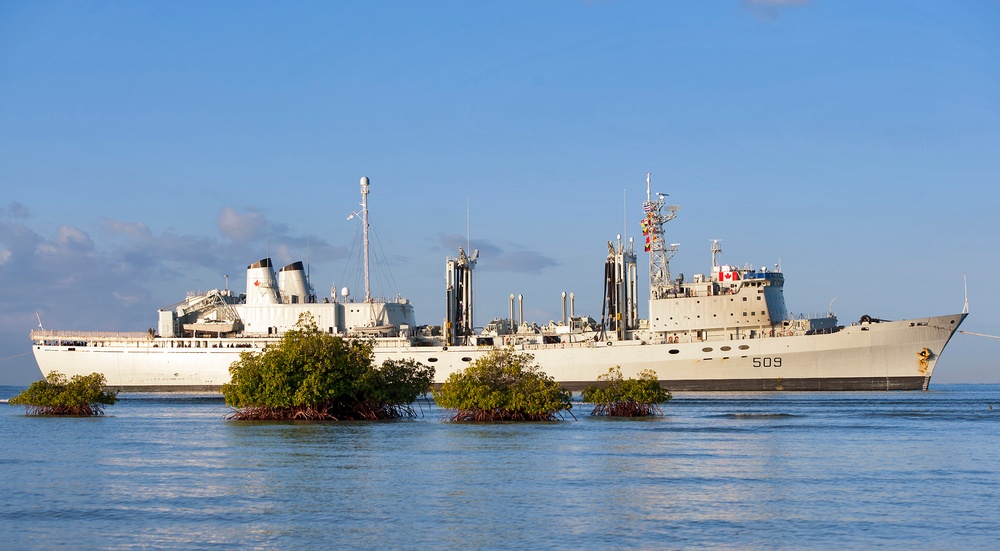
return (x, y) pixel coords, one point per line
(727, 329)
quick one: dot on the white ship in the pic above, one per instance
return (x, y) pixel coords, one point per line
(728, 329)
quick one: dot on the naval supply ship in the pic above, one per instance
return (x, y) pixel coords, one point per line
(724, 330)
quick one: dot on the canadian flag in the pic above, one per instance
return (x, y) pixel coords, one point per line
(729, 276)
(256, 283)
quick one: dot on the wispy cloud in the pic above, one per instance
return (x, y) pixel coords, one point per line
(498, 259)
(15, 210)
(243, 227)
(114, 281)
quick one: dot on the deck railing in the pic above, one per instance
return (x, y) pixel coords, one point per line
(38, 334)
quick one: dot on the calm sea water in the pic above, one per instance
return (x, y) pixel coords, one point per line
(907, 470)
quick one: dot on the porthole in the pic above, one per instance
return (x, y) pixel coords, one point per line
(466, 359)
(432, 359)
(744, 347)
(674, 351)
(725, 349)
(707, 349)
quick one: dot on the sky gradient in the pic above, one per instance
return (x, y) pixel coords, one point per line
(152, 148)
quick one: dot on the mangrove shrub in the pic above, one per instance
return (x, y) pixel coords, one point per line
(503, 386)
(310, 374)
(54, 395)
(619, 397)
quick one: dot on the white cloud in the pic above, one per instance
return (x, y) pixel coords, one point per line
(135, 230)
(74, 239)
(245, 227)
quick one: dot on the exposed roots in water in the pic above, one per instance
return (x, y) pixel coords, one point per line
(499, 415)
(626, 408)
(356, 411)
(69, 411)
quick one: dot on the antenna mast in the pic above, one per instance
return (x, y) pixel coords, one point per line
(965, 283)
(364, 223)
(659, 253)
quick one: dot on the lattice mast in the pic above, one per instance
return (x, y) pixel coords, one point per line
(657, 214)
(364, 222)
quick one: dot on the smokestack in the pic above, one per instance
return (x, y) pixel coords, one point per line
(564, 307)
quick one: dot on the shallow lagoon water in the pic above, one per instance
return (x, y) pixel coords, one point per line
(724, 471)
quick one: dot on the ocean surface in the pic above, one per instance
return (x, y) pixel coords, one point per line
(898, 470)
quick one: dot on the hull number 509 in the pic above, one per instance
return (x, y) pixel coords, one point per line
(767, 361)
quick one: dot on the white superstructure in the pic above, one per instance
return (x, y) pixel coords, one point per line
(728, 329)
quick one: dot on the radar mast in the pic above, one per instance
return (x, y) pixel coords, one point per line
(658, 213)
(364, 222)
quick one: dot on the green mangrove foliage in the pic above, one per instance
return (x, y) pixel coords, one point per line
(503, 386)
(82, 395)
(313, 375)
(619, 397)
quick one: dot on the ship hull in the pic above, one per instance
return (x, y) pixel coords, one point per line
(898, 355)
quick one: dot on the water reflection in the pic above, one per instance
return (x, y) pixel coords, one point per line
(747, 471)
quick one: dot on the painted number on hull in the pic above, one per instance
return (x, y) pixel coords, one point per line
(767, 361)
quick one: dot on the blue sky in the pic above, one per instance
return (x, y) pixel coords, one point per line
(151, 148)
